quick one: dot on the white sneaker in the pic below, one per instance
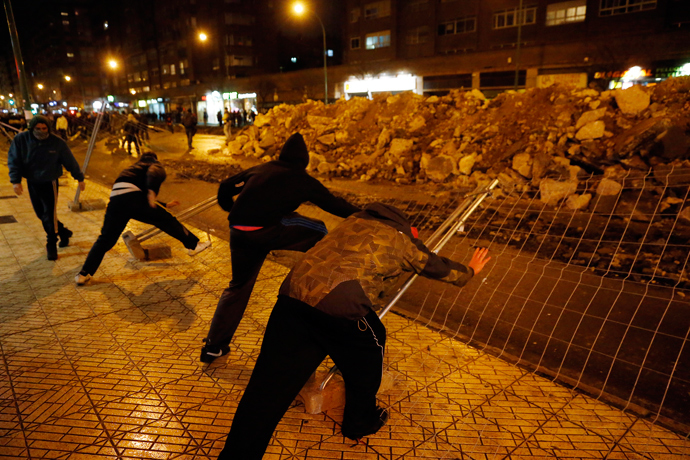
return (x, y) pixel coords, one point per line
(82, 279)
(200, 246)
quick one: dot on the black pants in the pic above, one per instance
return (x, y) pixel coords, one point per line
(44, 197)
(135, 206)
(298, 338)
(248, 250)
(129, 139)
(190, 134)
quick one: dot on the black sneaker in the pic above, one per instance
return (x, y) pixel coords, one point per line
(51, 251)
(64, 238)
(359, 430)
(209, 353)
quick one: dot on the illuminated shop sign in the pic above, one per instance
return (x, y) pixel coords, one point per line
(246, 95)
(376, 85)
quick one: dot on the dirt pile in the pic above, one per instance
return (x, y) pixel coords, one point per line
(545, 139)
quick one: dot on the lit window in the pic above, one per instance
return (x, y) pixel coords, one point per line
(64, 14)
(65, 23)
(70, 55)
(507, 18)
(354, 43)
(377, 10)
(378, 40)
(293, 59)
(459, 26)
(239, 61)
(329, 53)
(105, 25)
(172, 69)
(611, 7)
(565, 12)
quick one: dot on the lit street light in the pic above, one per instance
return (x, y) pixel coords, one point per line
(113, 64)
(203, 37)
(299, 9)
(40, 86)
(68, 78)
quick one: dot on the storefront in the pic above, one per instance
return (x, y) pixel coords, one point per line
(392, 84)
(637, 75)
(240, 102)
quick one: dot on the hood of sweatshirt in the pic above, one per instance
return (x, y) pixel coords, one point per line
(39, 119)
(389, 215)
(295, 151)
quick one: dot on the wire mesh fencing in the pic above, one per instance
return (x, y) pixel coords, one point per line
(597, 298)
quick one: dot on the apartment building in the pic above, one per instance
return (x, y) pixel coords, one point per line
(485, 43)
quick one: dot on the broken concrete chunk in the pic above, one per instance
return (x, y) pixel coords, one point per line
(552, 191)
(633, 100)
(522, 163)
(590, 116)
(592, 130)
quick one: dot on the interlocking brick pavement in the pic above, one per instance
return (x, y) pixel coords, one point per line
(111, 370)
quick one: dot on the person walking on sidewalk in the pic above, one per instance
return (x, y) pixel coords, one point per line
(262, 219)
(61, 126)
(38, 155)
(131, 130)
(134, 197)
(227, 126)
(325, 308)
(189, 121)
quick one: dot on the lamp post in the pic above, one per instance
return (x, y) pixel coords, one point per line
(299, 9)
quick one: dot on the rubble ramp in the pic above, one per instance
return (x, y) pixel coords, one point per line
(596, 298)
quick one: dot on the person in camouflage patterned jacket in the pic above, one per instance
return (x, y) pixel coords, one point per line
(326, 307)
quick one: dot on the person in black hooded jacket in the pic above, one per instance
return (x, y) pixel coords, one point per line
(262, 219)
(326, 308)
(38, 155)
(134, 197)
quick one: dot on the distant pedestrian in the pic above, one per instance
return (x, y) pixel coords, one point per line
(227, 127)
(134, 196)
(39, 156)
(219, 117)
(131, 131)
(61, 126)
(189, 122)
(205, 117)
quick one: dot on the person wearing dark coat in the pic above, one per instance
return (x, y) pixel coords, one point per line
(262, 219)
(38, 155)
(325, 308)
(134, 197)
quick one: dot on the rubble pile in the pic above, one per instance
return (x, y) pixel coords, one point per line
(570, 149)
(546, 139)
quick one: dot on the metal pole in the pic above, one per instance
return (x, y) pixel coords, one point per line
(18, 59)
(455, 228)
(92, 144)
(325, 60)
(189, 212)
(520, 19)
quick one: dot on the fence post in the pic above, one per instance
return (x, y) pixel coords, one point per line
(76, 205)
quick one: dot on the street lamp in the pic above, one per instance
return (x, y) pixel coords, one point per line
(40, 86)
(113, 64)
(299, 9)
(68, 78)
(203, 37)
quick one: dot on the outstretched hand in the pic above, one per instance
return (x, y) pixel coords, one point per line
(479, 259)
(18, 189)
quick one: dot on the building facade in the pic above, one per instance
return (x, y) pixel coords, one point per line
(485, 43)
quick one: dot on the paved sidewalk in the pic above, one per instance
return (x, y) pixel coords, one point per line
(111, 370)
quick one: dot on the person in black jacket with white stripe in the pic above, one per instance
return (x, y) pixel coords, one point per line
(134, 197)
(262, 219)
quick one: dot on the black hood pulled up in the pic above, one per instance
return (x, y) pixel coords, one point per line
(389, 215)
(295, 151)
(39, 119)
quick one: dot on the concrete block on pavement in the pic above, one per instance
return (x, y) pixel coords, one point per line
(86, 205)
(317, 401)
